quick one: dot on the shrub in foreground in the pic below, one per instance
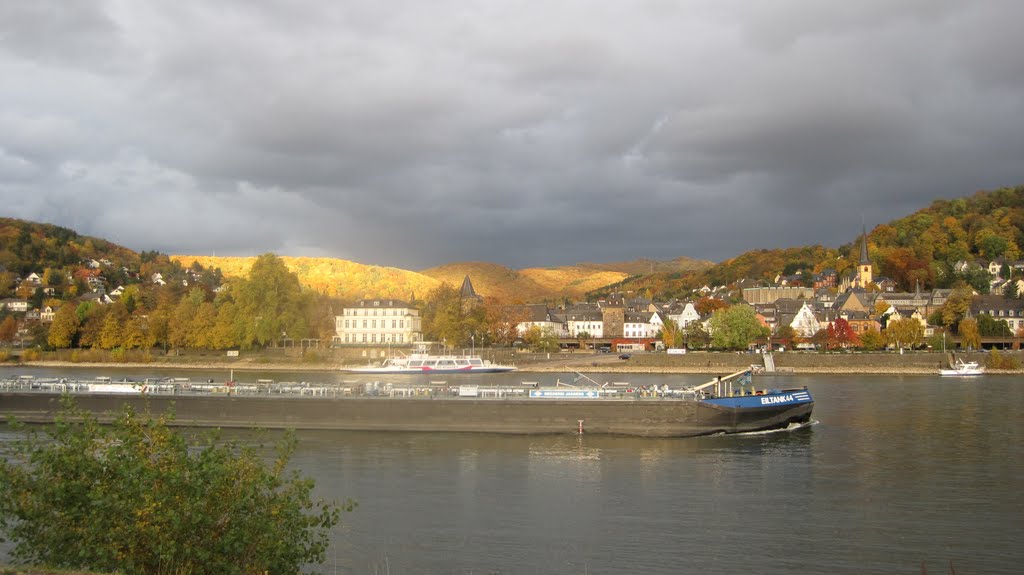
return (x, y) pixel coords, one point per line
(135, 497)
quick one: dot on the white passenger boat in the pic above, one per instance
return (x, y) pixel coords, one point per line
(422, 361)
(962, 367)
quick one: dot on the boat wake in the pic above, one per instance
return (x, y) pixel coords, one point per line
(787, 429)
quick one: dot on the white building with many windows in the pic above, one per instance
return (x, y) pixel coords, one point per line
(378, 321)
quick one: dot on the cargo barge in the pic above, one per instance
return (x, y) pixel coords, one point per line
(724, 405)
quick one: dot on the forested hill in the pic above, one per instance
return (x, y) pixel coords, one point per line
(27, 247)
(924, 246)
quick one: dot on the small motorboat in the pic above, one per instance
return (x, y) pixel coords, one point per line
(962, 367)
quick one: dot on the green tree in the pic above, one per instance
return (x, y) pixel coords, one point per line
(695, 336)
(64, 328)
(271, 298)
(989, 326)
(735, 327)
(134, 497)
(542, 340)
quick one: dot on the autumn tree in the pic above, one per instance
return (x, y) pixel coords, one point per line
(842, 334)
(92, 315)
(64, 328)
(181, 327)
(671, 334)
(8, 329)
(111, 330)
(970, 336)
(872, 340)
(707, 305)
(957, 305)
(443, 316)
(503, 321)
(821, 339)
(133, 333)
(904, 333)
(786, 334)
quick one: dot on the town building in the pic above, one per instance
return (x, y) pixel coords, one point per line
(378, 321)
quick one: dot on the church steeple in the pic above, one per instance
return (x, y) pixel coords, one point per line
(864, 275)
(470, 299)
(467, 289)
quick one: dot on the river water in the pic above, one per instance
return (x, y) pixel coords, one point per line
(896, 472)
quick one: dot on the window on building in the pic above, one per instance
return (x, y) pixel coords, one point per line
(364, 324)
(364, 338)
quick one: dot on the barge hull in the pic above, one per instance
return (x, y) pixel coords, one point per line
(654, 418)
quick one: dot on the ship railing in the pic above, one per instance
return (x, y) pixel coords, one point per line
(723, 386)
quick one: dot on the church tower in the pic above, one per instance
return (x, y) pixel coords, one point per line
(864, 277)
(470, 299)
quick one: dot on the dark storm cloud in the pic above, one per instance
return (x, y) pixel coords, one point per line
(413, 134)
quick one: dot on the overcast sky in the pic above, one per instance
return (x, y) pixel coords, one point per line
(412, 133)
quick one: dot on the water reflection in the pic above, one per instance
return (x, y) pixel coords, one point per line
(898, 471)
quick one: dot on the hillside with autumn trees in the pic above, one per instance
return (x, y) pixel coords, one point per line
(922, 248)
(352, 281)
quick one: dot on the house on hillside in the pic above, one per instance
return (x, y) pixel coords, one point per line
(14, 304)
(685, 316)
(47, 314)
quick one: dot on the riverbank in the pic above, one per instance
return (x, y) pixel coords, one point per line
(701, 362)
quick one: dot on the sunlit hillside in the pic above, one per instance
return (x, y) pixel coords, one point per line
(340, 278)
(528, 285)
(352, 281)
(645, 266)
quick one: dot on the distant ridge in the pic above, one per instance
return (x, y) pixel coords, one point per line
(527, 285)
(352, 281)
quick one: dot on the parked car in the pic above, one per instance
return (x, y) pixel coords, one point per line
(625, 356)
